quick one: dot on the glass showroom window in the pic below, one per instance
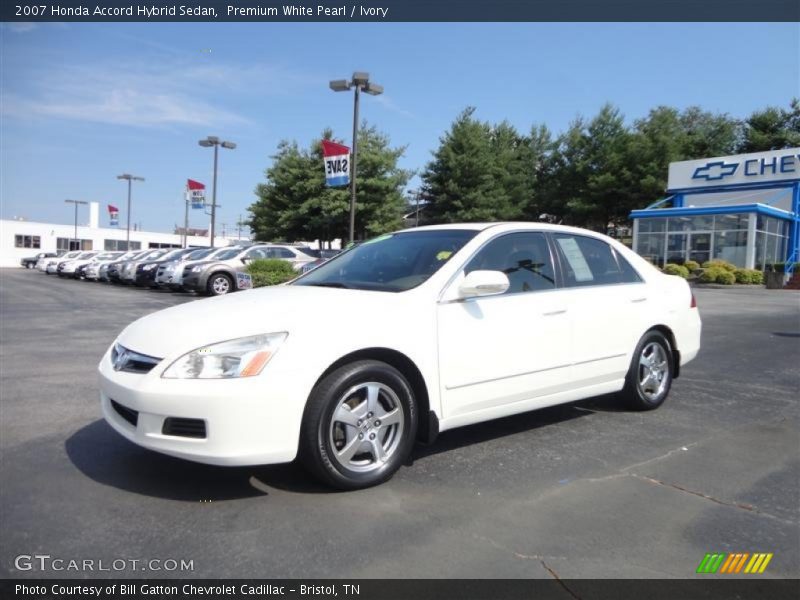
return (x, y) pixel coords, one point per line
(650, 240)
(27, 241)
(771, 240)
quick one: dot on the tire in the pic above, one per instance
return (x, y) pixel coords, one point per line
(342, 441)
(219, 284)
(649, 377)
(29, 265)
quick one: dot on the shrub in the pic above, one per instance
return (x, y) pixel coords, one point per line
(721, 264)
(270, 271)
(726, 277)
(679, 270)
(710, 274)
(781, 267)
(756, 276)
(692, 265)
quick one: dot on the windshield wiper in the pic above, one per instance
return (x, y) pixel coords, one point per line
(332, 284)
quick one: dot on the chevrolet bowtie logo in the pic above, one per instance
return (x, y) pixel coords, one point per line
(715, 171)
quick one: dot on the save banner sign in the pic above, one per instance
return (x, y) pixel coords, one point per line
(336, 158)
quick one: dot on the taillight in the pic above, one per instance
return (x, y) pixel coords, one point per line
(693, 304)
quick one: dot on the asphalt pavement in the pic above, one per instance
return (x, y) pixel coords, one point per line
(586, 490)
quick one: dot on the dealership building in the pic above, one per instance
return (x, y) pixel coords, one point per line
(21, 238)
(744, 209)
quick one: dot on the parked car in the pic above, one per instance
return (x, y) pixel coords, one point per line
(127, 273)
(113, 272)
(49, 265)
(508, 317)
(297, 255)
(91, 271)
(217, 276)
(166, 272)
(322, 256)
(185, 267)
(66, 268)
(30, 262)
(145, 275)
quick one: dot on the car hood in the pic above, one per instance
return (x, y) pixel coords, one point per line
(182, 328)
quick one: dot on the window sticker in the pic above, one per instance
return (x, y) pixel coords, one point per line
(444, 255)
(575, 259)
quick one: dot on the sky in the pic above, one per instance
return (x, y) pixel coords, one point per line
(82, 103)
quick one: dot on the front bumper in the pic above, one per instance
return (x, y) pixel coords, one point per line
(248, 421)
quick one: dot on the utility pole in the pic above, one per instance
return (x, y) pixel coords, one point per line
(130, 178)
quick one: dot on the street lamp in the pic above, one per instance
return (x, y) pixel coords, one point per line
(130, 178)
(213, 140)
(359, 82)
(76, 202)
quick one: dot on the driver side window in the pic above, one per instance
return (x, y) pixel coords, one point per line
(524, 257)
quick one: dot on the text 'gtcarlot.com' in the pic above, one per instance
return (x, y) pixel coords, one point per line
(46, 562)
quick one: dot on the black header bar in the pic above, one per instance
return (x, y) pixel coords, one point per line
(400, 10)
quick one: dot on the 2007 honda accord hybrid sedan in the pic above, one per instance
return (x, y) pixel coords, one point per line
(395, 340)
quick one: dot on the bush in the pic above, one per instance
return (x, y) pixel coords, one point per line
(726, 277)
(691, 265)
(270, 271)
(781, 267)
(679, 270)
(749, 276)
(756, 276)
(710, 274)
(721, 264)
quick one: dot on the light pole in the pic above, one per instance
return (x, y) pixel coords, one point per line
(76, 202)
(359, 82)
(213, 140)
(130, 178)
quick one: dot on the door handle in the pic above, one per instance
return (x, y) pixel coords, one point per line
(635, 300)
(553, 313)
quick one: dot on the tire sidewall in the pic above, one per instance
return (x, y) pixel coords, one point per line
(210, 284)
(337, 384)
(634, 388)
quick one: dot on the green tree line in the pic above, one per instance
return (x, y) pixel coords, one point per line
(592, 174)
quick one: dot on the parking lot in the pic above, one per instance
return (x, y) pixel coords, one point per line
(585, 490)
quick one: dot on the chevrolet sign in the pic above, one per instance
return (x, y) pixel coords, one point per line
(760, 167)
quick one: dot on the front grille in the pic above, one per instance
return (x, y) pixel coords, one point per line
(130, 415)
(191, 428)
(132, 362)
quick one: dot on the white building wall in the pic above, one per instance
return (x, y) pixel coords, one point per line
(49, 232)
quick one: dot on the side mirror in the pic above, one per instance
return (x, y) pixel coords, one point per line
(247, 260)
(483, 283)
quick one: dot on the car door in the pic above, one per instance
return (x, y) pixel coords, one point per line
(607, 303)
(498, 350)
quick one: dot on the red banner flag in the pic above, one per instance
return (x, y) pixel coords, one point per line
(112, 208)
(194, 185)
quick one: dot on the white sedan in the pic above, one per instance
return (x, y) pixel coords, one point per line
(395, 340)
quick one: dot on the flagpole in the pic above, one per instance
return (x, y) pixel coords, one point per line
(186, 218)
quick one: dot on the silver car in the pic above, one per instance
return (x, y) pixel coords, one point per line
(168, 272)
(127, 274)
(217, 275)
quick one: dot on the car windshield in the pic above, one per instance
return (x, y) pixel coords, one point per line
(86, 255)
(197, 254)
(225, 255)
(107, 256)
(390, 263)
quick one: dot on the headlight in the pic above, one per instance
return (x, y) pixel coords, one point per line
(148, 267)
(197, 269)
(244, 357)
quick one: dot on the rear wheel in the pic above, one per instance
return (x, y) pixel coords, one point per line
(650, 374)
(219, 284)
(359, 425)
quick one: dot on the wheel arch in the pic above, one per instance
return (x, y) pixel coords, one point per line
(676, 355)
(428, 424)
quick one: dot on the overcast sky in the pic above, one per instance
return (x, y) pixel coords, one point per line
(82, 103)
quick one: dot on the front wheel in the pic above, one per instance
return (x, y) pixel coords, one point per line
(219, 284)
(359, 425)
(650, 374)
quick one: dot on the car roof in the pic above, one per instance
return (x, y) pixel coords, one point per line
(499, 224)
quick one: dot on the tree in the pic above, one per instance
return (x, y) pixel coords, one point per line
(295, 204)
(477, 173)
(772, 128)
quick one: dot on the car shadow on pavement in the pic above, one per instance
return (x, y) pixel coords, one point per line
(499, 428)
(104, 456)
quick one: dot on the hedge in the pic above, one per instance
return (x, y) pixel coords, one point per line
(749, 276)
(270, 271)
(721, 264)
(679, 270)
(691, 265)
